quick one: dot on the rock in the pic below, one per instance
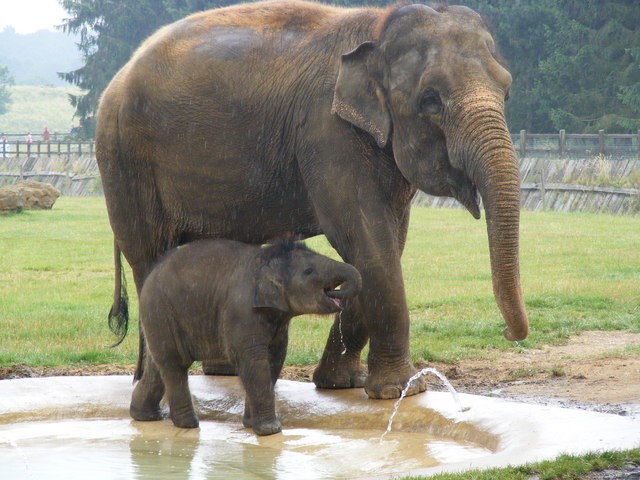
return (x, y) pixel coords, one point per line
(10, 200)
(27, 195)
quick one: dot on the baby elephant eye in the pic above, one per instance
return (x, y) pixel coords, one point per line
(308, 271)
(430, 101)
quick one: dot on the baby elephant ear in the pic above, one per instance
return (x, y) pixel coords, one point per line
(269, 290)
(358, 98)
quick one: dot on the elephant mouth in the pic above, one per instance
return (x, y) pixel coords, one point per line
(467, 195)
(335, 295)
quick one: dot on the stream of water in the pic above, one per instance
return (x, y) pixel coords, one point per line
(422, 372)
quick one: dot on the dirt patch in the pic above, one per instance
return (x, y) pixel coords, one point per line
(593, 371)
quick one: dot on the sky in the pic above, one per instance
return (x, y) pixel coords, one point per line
(28, 16)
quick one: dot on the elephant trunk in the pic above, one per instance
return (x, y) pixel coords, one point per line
(489, 159)
(348, 279)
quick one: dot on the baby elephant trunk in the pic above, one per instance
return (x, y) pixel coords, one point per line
(346, 283)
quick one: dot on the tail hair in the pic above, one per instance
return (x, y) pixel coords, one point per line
(119, 313)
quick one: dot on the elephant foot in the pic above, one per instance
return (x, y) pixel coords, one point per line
(389, 385)
(218, 367)
(145, 415)
(185, 421)
(263, 427)
(341, 373)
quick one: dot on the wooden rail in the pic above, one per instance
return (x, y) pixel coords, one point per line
(564, 144)
(22, 148)
(527, 144)
(584, 172)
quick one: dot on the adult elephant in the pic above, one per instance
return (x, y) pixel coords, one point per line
(289, 118)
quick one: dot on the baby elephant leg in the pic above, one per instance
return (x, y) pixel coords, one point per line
(176, 381)
(145, 401)
(260, 408)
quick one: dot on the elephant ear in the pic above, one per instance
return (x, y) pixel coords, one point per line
(357, 97)
(269, 289)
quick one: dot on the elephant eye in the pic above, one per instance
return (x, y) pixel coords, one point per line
(430, 101)
(308, 271)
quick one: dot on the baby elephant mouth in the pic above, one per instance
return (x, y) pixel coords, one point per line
(336, 294)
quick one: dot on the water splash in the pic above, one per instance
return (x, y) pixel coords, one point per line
(25, 460)
(422, 372)
(344, 347)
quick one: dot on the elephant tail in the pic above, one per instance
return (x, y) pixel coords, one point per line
(119, 313)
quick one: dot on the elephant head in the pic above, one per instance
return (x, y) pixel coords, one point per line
(432, 87)
(296, 280)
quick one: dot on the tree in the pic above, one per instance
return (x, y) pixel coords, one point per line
(6, 80)
(591, 80)
(519, 28)
(109, 30)
(575, 63)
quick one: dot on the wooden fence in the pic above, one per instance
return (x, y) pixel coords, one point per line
(69, 148)
(68, 165)
(563, 172)
(567, 145)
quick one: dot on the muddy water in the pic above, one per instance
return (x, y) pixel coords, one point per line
(123, 449)
(78, 427)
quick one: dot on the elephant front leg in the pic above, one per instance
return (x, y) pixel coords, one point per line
(340, 366)
(382, 312)
(260, 407)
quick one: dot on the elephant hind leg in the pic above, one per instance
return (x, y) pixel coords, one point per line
(147, 394)
(181, 409)
(142, 226)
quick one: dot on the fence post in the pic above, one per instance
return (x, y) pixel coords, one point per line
(543, 188)
(523, 143)
(21, 161)
(561, 142)
(601, 142)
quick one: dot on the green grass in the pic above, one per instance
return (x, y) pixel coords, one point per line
(33, 108)
(565, 467)
(579, 272)
(57, 275)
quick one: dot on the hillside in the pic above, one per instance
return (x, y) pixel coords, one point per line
(36, 58)
(34, 108)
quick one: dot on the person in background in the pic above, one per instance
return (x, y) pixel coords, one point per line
(5, 147)
(46, 135)
(28, 138)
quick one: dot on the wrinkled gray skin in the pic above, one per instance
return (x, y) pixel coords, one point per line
(223, 298)
(256, 120)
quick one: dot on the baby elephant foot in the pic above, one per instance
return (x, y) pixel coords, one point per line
(145, 415)
(185, 421)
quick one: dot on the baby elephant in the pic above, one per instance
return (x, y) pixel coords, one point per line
(213, 298)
